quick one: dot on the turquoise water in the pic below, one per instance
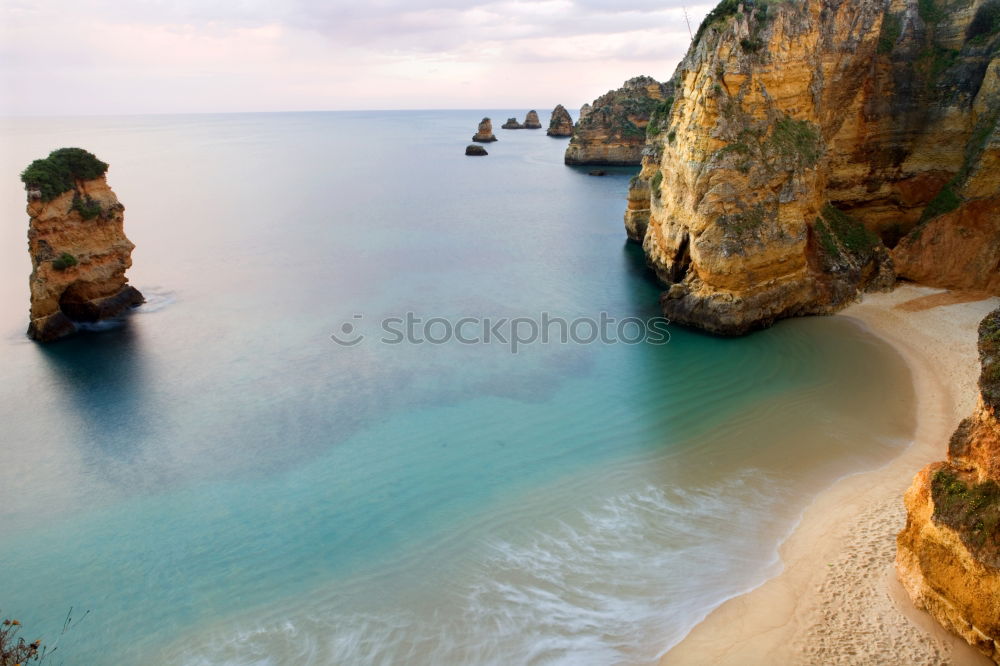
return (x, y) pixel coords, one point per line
(218, 482)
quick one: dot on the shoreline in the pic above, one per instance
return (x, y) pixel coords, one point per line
(837, 599)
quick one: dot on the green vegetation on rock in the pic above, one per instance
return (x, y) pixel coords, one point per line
(660, 117)
(929, 11)
(796, 138)
(972, 510)
(58, 172)
(989, 355)
(838, 233)
(65, 260)
(744, 222)
(892, 28)
(655, 182)
(86, 207)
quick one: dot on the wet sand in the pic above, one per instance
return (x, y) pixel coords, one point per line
(837, 600)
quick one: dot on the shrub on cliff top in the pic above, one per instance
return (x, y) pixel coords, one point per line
(65, 260)
(57, 173)
(14, 649)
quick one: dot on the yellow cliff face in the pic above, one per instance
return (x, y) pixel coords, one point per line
(948, 556)
(802, 138)
(79, 255)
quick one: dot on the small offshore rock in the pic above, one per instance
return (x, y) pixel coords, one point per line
(473, 149)
(561, 124)
(512, 124)
(485, 132)
(597, 172)
(531, 120)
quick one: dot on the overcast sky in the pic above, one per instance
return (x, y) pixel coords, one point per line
(141, 56)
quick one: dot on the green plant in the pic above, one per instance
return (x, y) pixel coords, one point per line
(892, 28)
(57, 173)
(796, 138)
(751, 45)
(929, 11)
(989, 355)
(972, 510)
(660, 117)
(853, 236)
(87, 207)
(671, 136)
(945, 202)
(745, 221)
(655, 182)
(720, 13)
(65, 260)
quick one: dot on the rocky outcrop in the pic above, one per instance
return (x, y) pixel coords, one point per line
(512, 124)
(76, 239)
(475, 150)
(485, 132)
(585, 111)
(948, 556)
(531, 120)
(801, 141)
(560, 124)
(613, 131)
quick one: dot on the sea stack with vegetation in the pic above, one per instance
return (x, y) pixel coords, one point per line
(811, 150)
(612, 131)
(76, 239)
(531, 120)
(948, 556)
(560, 124)
(484, 133)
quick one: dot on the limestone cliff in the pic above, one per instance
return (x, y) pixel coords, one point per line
(531, 120)
(613, 130)
(76, 239)
(801, 140)
(948, 556)
(560, 124)
(484, 133)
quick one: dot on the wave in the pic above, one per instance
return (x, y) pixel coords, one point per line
(615, 585)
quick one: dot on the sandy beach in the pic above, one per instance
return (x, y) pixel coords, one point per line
(837, 600)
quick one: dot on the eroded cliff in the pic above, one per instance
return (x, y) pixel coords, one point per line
(76, 239)
(948, 556)
(613, 130)
(801, 141)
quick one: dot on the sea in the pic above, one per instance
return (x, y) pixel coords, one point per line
(293, 453)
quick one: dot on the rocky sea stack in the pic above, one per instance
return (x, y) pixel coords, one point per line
(531, 120)
(613, 131)
(806, 151)
(76, 239)
(561, 124)
(475, 150)
(512, 124)
(948, 556)
(485, 132)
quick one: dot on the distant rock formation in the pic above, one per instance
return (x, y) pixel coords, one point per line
(76, 238)
(614, 131)
(485, 132)
(531, 120)
(561, 124)
(948, 556)
(799, 142)
(585, 111)
(512, 124)
(474, 149)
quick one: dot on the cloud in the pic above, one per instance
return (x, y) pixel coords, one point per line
(205, 55)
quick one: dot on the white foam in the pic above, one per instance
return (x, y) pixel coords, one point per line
(617, 584)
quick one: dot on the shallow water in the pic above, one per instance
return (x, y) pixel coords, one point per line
(217, 481)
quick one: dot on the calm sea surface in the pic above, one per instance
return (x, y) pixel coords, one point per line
(218, 482)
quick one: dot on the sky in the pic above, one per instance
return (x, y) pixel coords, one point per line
(70, 57)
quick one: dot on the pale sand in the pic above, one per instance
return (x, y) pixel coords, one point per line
(837, 601)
